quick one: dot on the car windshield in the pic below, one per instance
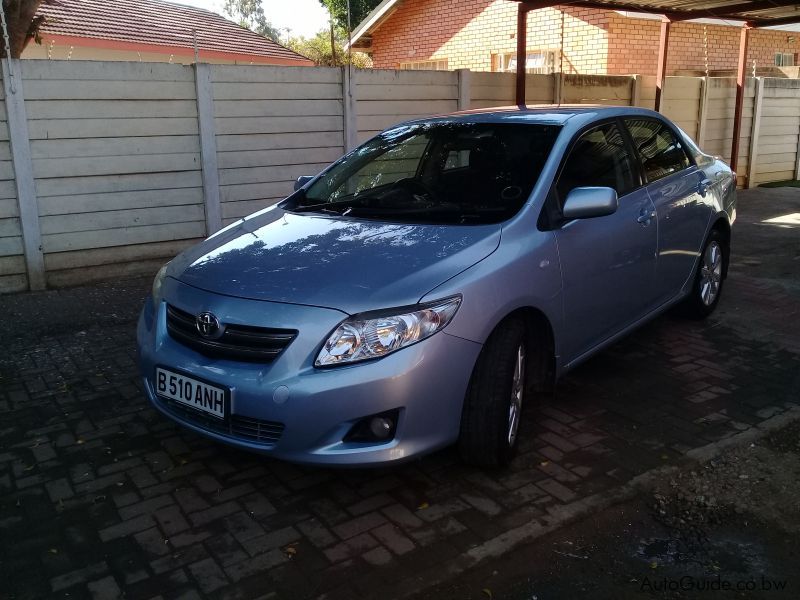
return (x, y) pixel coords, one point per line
(450, 173)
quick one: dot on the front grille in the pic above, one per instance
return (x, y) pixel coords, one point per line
(239, 342)
(256, 431)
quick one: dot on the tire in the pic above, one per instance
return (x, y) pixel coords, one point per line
(489, 430)
(708, 279)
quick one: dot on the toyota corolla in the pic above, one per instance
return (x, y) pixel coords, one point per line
(422, 290)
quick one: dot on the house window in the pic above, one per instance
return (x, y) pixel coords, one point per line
(784, 60)
(425, 65)
(537, 61)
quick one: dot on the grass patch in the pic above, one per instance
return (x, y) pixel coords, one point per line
(777, 184)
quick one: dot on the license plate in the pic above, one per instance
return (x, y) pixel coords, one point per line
(188, 391)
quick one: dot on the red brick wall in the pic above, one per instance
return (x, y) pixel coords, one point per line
(633, 46)
(468, 32)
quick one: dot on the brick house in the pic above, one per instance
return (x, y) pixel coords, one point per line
(481, 35)
(152, 31)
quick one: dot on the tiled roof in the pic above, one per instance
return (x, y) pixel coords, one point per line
(157, 22)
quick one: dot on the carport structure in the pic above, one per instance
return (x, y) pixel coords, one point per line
(752, 13)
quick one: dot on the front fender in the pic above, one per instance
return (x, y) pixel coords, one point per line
(524, 272)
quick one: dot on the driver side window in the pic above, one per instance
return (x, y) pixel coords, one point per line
(599, 158)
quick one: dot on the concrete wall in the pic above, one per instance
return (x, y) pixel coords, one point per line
(109, 169)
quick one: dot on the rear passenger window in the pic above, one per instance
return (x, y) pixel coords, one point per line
(599, 158)
(662, 153)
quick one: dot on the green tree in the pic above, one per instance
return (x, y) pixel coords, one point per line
(23, 24)
(250, 14)
(318, 49)
(359, 9)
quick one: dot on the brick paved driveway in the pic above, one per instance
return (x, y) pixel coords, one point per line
(100, 496)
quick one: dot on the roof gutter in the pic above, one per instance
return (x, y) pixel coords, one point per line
(373, 20)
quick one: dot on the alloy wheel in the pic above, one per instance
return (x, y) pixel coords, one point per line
(711, 273)
(517, 394)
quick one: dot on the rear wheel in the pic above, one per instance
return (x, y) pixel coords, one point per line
(708, 280)
(497, 393)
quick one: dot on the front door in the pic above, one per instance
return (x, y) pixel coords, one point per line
(607, 263)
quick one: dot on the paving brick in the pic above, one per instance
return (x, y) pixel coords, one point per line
(152, 542)
(215, 512)
(208, 575)
(271, 540)
(59, 489)
(441, 509)
(67, 580)
(377, 556)
(226, 549)
(257, 564)
(558, 441)
(242, 526)
(390, 536)
(554, 488)
(171, 519)
(179, 558)
(104, 589)
(353, 527)
(369, 504)
(126, 528)
(354, 546)
(483, 504)
(146, 507)
(317, 534)
(190, 500)
(258, 505)
(400, 515)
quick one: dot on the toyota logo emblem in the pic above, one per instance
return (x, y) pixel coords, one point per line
(208, 325)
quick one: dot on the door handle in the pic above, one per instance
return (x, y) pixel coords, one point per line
(646, 217)
(702, 187)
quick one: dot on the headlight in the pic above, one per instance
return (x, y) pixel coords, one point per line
(158, 282)
(376, 334)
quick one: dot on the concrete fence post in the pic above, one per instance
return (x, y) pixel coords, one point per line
(208, 147)
(636, 90)
(349, 108)
(464, 89)
(23, 173)
(797, 160)
(702, 112)
(558, 87)
(755, 132)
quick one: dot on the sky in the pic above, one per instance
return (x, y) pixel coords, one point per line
(301, 17)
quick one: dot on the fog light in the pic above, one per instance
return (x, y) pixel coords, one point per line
(380, 428)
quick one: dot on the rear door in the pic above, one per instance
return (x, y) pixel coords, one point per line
(607, 263)
(677, 188)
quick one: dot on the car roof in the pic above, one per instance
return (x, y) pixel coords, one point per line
(548, 114)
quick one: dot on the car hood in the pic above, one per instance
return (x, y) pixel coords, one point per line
(320, 260)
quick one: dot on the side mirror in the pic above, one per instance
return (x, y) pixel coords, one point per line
(589, 202)
(301, 181)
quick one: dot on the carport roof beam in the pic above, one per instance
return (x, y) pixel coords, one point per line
(759, 13)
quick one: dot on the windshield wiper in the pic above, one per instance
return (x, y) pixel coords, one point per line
(347, 203)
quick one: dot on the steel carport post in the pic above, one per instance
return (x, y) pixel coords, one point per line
(741, 71)
(523, 8)
(661, 70)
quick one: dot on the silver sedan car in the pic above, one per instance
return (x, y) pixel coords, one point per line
(422, 290)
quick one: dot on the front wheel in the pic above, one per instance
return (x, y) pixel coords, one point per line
(708, 280)
(497, 392)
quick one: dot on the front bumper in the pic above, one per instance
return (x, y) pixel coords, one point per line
(316, 408)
